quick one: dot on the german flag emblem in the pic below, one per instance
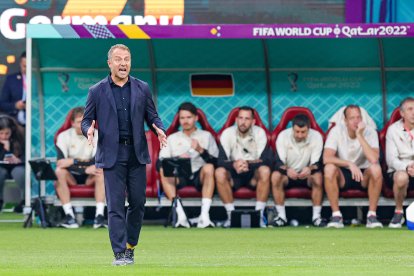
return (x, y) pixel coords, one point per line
(211, 85)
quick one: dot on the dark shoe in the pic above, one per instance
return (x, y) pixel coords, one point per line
(1, 204)
(373, 222)
(336, 222)
(319, 222)
(279, 222)
(397, 220)
(119, 259)
(19, 208)
(69, 222)
(99, 222)
(129, 256)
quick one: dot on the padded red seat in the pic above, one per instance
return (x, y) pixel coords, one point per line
(288, 116)
(231, 119)
(153, 148)
(243, 192)
(386, 190)
(78, 190)
(190, 191)
(355, 193)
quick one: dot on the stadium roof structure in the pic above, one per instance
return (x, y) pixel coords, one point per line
(60, 55)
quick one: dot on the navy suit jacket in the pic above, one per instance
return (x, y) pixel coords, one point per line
(11, 93)
(101, 107)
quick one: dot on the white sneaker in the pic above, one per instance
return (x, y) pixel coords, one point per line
(182, 223)
(373, 222)
(263, 222)
(226, 223)
(336, 222)
(397, 220)
(204, 222)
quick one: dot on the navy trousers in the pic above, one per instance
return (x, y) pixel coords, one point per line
(126, 178)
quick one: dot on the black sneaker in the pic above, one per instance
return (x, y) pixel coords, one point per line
(319, 222)
(19, 208)
(1, 204)
(129, 256)
(373, 222)
(279, 222)
(119, 259)
(69, 222)
(397, 220)
(99, 222)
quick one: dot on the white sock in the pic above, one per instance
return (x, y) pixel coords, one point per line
(371, 213)
(399, 211)
(180, 211)
(281, 211)
(229, 208)
(205, 206)
(260, 205)
(100, 207)
(337, 214)
(316, 212)
(67, 208)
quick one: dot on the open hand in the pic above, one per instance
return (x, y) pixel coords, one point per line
(161, 136)
(356, 173)
(91, 132)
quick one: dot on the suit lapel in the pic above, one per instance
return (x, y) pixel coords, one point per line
(110, 95)
(134, 94)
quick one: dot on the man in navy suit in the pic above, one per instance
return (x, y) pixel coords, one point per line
(13, 96)
(119, 104)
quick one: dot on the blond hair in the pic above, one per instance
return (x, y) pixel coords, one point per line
(117, 46)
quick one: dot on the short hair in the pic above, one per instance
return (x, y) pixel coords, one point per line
(187, 106)
(350, 107)
(301, 120)
(117, 46)
(247, 108)
(23, 55)
(404, 101)
(76, 111)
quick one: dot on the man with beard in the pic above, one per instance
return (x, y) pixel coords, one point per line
(244, 160)
(298, 164)
(200, 146)
(351, 162)
(400, 158)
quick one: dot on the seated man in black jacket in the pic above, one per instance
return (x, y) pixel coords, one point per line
(76, 165)
(200, 146)
(244, 160)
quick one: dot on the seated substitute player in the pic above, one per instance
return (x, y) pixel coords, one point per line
(200, 146)
(75, 166)
(351, 161)
(298, 164)
(244, 160)
(400, 158)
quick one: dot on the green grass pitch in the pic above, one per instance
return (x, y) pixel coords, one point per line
(167, 251)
